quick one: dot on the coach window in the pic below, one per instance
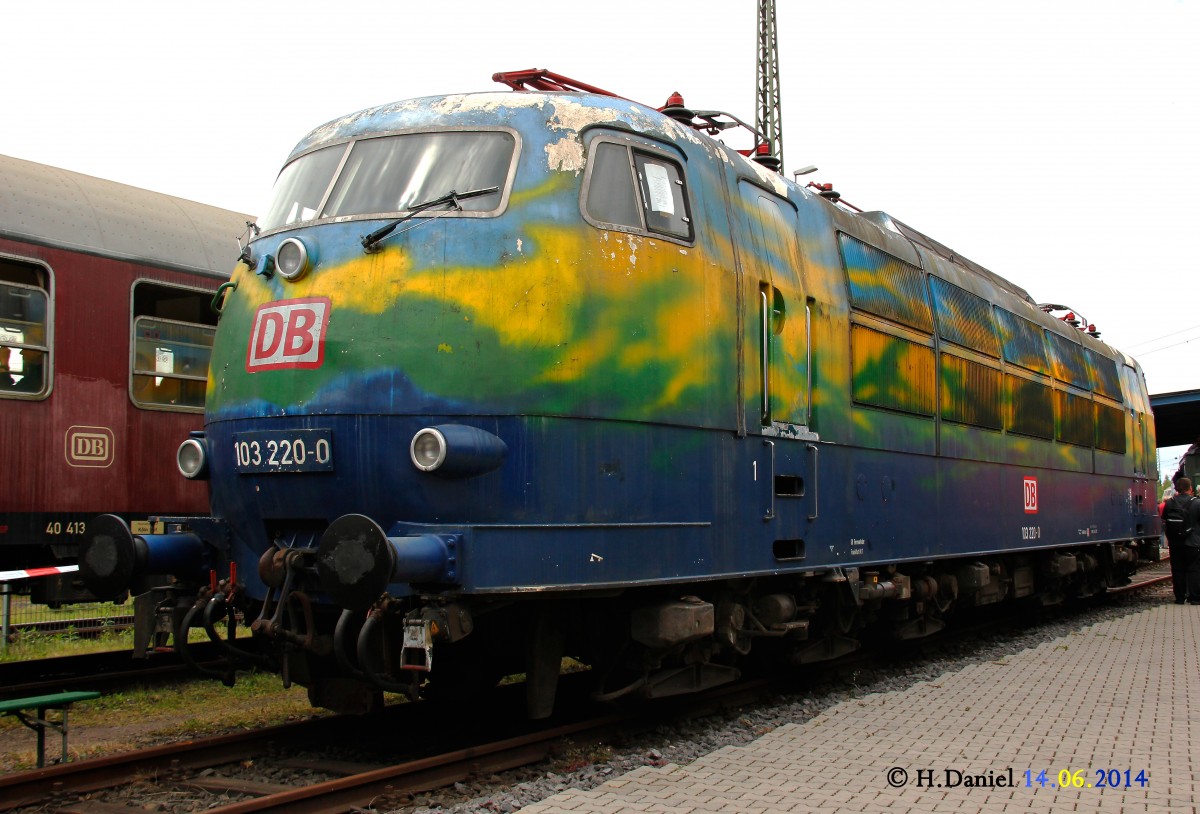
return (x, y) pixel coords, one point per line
(172, 338)
(24, 330)
(636, 190)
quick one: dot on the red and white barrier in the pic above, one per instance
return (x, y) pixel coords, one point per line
(8, 576)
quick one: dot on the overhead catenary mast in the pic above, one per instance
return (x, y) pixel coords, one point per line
(769, 121)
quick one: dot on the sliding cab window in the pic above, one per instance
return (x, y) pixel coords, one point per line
(24, 330)
(634, 190)
(172, 337)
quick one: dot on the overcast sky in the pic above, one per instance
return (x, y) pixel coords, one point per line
(1053, 141)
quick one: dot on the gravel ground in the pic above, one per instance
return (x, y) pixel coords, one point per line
(690, 740)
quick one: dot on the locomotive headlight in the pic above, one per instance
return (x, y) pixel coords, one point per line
(291, 259)
(456, 451)
(192, 459)
(428, 449)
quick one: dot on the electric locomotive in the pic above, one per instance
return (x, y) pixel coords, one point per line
(507, 377)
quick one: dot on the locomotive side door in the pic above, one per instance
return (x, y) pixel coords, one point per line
(777, 353)
(777, 330)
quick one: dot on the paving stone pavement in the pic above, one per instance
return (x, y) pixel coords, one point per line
(1120, 695)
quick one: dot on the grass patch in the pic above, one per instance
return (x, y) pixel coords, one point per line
(122, 721)
(30, 646)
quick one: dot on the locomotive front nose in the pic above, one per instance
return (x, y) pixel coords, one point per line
(357, 560)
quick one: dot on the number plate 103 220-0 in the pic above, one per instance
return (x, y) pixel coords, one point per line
(283, 451)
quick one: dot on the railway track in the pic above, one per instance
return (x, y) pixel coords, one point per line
(225, 774)
(1147, 576)
(212, 771)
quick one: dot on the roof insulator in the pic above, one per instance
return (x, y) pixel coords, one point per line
(762, 155)
(675, 109)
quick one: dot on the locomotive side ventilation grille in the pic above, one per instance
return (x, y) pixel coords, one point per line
(1030, 408)
(964, 318)
(1069, 364)
(970, 392)
(1110, 429)
(1076, 424)
(1104, 375)
(1022, 342)
(891, 372)
(884, 285)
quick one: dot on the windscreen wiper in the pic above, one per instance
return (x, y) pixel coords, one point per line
(450, 197)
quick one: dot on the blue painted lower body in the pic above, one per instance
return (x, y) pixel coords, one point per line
(583, 504)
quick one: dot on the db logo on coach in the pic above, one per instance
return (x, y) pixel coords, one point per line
(89, 446)
(288, 334)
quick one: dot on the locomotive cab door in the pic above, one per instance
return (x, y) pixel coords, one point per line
(776, 360)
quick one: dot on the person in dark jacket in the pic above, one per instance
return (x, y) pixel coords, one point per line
(1184, 548)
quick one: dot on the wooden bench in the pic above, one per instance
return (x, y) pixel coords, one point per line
(21, 708)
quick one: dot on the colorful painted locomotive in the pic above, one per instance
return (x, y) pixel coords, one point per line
(508, 377)
(104, 333)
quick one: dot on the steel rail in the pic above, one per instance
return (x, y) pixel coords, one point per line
(27, 788)
(361, 790)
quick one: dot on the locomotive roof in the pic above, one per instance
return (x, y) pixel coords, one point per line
(63, 209)
(557, 111)
(562, 111)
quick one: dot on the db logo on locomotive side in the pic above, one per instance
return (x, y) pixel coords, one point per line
(1031, 496)
(288, 334)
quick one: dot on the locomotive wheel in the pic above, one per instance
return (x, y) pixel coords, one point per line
(845, 613)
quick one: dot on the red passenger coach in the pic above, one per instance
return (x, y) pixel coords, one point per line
(105, 331)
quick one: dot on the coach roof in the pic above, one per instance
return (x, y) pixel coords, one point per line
(62, 209)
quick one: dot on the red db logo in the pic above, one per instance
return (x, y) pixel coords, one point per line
(1031, 496)
(288, 334)
(89, 446)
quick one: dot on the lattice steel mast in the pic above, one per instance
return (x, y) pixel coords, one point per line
(769, 122)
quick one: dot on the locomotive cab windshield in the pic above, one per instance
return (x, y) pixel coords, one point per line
(374, 177)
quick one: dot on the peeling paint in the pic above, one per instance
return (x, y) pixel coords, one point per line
(770, 178)
(565, 155)
(488, 102)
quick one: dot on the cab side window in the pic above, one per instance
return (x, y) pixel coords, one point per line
(172, 336)
(636, 190)
(24, 330)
